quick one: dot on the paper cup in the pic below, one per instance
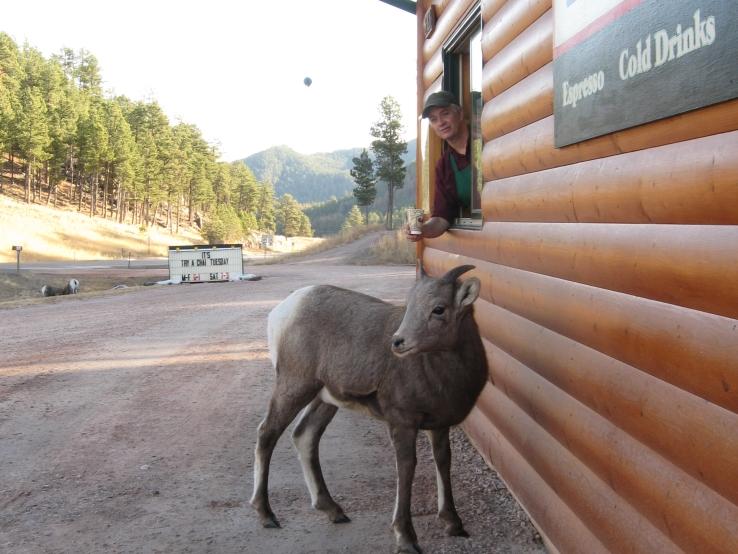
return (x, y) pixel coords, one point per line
(414, 218)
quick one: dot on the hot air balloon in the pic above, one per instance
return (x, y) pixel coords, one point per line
(308, 81)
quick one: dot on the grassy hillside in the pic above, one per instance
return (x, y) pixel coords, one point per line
(62, 234)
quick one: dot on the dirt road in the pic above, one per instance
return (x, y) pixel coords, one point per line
(127, 424)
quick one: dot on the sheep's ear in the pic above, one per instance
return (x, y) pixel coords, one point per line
(467, 292)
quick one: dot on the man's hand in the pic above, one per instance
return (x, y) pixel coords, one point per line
(412, 237)
(431, 228)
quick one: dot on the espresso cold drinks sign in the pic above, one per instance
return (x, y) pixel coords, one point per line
(621, 63)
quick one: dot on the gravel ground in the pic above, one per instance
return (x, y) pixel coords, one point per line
(127, 424)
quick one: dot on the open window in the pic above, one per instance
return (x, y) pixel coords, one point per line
(462, 75)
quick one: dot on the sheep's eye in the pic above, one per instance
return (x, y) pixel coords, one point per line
(438, 310)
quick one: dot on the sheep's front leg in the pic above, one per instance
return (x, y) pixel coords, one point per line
(446, 508)
(403, 439)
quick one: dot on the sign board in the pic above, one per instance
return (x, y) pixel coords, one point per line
(199, 264)
(18, 248)
(267, 240)
(622, 63)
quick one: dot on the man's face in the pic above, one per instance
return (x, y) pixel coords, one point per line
(446, 121)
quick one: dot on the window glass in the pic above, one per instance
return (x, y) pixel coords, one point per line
(425, 202)
(475, 116)
(462, 75)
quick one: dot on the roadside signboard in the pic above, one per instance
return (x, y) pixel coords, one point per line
(208, 263)
(622, 63)
(267, 241)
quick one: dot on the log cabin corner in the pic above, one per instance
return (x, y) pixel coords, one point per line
(604, 229)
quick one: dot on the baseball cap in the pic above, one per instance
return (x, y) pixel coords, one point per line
(439, 100)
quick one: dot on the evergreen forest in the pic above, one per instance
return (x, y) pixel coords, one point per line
(64, 141)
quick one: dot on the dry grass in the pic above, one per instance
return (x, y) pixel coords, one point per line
(60, 234)
(391, 248)
(327, 243)
(25, 287)
(49, 234)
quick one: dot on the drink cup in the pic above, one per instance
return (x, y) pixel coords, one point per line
(414, 218)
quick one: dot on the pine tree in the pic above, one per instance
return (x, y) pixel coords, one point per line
(245, 187)
(366, 191)
(222, 185)
(32, 132)
(248, 222)
(153, 136)
(388, 149)
(11, 74)
(121, 157)
(265, 212)
(94, 148)
(62, 100)
(288, 216)
(353, 219)
(87, 72)
(306, 229)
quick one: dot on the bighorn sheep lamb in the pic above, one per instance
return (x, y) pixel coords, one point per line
(420, 367)
(72, 287)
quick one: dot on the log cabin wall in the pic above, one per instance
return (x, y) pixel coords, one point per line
(609, 304)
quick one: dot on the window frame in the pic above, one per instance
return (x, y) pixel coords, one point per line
(457, 79)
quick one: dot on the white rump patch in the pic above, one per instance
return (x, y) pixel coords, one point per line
(280, 318)
(73, 286)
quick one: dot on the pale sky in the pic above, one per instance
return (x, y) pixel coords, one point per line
(236, 68)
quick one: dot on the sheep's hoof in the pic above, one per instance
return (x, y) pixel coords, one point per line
(341, 518)
(332, 510)
(456, 531)
(454, 527)
(270, 522)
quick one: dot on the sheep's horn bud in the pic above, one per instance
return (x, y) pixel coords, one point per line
(455, 273)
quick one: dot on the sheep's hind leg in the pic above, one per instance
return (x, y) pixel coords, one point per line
(306, 437)
(286, 402)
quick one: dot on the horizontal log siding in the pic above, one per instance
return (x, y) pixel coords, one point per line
(695, 351)
(690, 182)
(532, 148)
(447, 19)
(522, 104)
(490, 8)
(565, 532)
(695, 266)
(609, 306)
(512, 18)
(610, 518)
(530, 51)
(695, 435)
(692, 515)
(433, 69)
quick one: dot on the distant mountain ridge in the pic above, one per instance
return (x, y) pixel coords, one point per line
(310, 178)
